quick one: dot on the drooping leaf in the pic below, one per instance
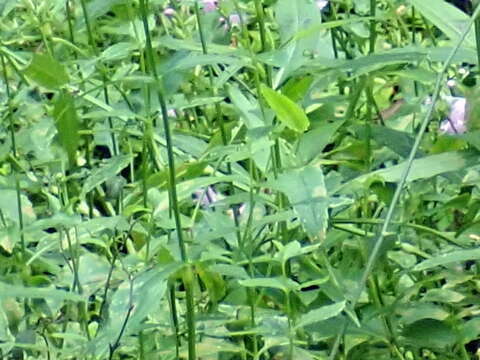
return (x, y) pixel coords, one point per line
(448, 258)
(288, 112)
(7, 290)
(46, 72)
(421, 310)
(67, 123)
(423, 168)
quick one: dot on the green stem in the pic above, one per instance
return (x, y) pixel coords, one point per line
(373, 25)
(477, 35)
(263, 36)
(172, 188)
(14, 153)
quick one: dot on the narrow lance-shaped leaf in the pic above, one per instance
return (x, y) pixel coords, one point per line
(288, 112)
(448, 258)
(67, 123)
(46, 72)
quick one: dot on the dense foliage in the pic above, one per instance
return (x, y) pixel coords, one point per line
(239, 179)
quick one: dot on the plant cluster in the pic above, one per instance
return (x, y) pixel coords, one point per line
(239, 179)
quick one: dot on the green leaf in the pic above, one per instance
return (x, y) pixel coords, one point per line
(107, 171)
(416, 311)
(117, 51)
(470, 330)
(67, 123)
(443, 295)
(312, 143)
(92, 272)
(430, 333)
(7, 290)
(448, 258)
(132, 292)
(97, 8)
(423, 168)
(296, 17)
(450, 20)
(473, 138)
(247, 108)
(288, 112)
(46, 72)
(321, 314)
(233, 271)
(306, 191)
(9, 207)
(399, 141)
(280, 283)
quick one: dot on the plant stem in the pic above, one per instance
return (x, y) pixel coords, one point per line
(172, 189)
(14, 154)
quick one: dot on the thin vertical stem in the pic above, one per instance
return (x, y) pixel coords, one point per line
(14, 153)
(263, 36)
(218, 116)
(172, 188)
(477, 34)
(373, 25)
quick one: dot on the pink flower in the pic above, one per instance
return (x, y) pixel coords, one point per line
(210, 5)
(169, 11)
(234, 20)
(321, 3)
(456, 122)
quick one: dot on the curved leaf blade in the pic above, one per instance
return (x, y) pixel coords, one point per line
(288, 112)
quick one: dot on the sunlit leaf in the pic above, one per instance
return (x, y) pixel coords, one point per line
(288, 112)
(46, 71)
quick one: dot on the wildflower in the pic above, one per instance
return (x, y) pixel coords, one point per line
(456, 121)
(321, 4)
(169, 11)
(401, 10)
(207, 197)
(451, 83)
(232, 21)
(210, 5)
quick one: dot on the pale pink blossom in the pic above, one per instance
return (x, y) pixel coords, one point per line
(210, 5)
(234, 20)
(456, 121)
(169, 11)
